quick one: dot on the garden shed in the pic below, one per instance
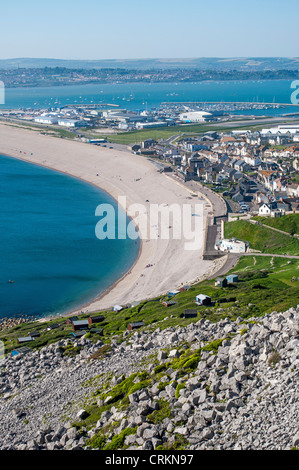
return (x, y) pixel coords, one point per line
(133, 326)
(221, 282)
(80, 325)
(232, 278)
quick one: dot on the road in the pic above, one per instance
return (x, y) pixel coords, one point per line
(219, 205)
(233, 258)
(256, 122)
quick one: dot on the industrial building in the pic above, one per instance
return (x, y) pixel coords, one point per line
(196, 116)
(71, 123)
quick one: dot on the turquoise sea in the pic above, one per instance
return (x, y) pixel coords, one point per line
(48, 245)
(140, 96)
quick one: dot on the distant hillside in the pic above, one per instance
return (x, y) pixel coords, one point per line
(214, 63)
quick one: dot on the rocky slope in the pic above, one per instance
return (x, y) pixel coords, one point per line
(226, 385)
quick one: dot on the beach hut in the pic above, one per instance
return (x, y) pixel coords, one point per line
(96, 319)
(232, 278)
(34, 334)
(221, 282)
(79, 325)
(53, 327)
(190, 313)
(169, 303)
(99, 331)
(70, 320)
(25, 339)
(78, 334)
(172, 293)
(117, 308)
(135, 325)
(184, 288)
(21, 350)
(202, 299)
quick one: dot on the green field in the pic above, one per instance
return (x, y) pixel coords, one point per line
(265, 284)
(262, 238)
(136, 137)
(287, 223)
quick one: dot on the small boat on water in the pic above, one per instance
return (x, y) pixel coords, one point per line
(11, 282)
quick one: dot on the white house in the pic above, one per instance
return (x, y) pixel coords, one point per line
(293, 189)
(265, 210)
(252, 160)
(231, 245)
(269, 210)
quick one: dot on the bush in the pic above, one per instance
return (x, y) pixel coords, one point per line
(118, 441)
(178, 389)
(97, 441)
(164, 411)
(161, 368)
(274, 358)
(213, 346)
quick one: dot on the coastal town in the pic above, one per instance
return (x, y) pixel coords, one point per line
(33, 73)
(205, 304)
(253, 171)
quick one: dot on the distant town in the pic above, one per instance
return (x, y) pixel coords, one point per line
(56, 76)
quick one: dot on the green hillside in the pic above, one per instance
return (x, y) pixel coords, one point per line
(264, 284)
(287, 223)
(262, 238)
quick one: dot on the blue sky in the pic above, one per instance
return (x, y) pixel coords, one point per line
(126, 29)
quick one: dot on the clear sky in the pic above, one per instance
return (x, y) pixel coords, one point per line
(127, 29)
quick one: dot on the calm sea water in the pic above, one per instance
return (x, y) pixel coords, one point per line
(140, 96)
(48, 244)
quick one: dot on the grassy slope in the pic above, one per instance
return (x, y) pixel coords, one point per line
(261, 238)
(139, 136)
(288, 223)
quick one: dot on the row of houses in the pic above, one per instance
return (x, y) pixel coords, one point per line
(228, 159)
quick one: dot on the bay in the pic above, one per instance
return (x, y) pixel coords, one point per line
(48, 245)
(142, 95)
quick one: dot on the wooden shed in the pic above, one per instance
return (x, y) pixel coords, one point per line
(202, 299)
(70, 320)
(21, 350)
(117, 308)
(190, 313)
(79, 325)
(135, 325)
(53, 327)
(95, 319)
(99, 331)
(25, 339)
(232, 278)
(221, 282)
(169, 303)
(172, 293)
(78, 334)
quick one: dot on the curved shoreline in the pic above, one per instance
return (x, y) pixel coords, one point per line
(79, 160)
(115, 283)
